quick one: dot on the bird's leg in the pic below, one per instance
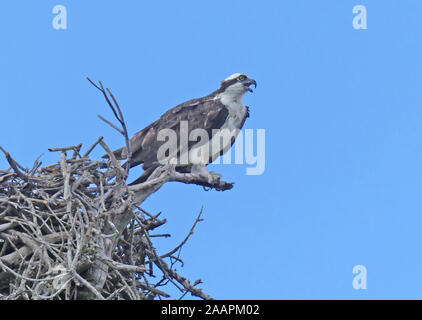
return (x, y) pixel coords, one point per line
(203, 172)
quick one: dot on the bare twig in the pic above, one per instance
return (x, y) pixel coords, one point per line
(198, 219)
(118, 115)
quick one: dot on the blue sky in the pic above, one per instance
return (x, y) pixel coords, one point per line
(342, 111)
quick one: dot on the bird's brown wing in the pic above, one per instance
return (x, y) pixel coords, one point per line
(205, 113)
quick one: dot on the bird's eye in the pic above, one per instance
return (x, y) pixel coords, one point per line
(242, 77)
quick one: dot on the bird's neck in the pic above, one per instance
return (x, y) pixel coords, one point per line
(230, 97)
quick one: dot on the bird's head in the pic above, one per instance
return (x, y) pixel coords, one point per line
(237, 85)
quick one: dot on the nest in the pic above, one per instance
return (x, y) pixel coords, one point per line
(75, 229)
(72, 230)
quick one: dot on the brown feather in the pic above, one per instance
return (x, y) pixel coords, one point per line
(205, 113)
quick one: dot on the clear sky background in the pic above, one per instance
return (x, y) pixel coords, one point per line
(342, 110)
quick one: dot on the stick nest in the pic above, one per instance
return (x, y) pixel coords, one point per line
(75, 229)
(71, 230)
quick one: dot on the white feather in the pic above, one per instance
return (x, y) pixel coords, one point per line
(233, 76)
(232, 99)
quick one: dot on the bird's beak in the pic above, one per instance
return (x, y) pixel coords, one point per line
(248, 82)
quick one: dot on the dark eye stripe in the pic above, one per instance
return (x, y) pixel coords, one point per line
(228, 83)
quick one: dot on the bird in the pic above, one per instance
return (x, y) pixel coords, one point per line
(220, 114)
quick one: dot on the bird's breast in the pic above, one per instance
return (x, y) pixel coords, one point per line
(237, 112)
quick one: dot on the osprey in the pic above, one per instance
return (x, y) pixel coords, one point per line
(220, 114)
